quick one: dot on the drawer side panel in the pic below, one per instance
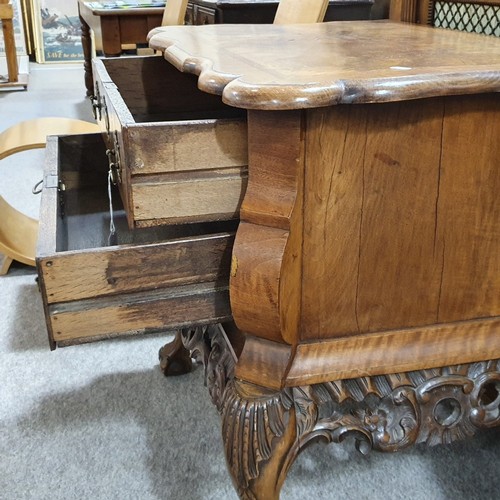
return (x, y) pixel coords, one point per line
(139, 313)
(186, 146)
(101, 272)
(213, 198)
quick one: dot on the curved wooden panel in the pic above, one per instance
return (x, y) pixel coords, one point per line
(265, 276)
(18, 235)
(32, 134)
(18, 232)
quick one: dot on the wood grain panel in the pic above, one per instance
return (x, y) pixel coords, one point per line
(469, 209)
(333, 197)
(371, 259)
(140, 313)
(266, 268)
(218, 195)
(70, 276)
(395, 351)
(400, 255)
(186, 146)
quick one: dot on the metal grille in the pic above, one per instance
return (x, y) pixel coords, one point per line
(469, 17)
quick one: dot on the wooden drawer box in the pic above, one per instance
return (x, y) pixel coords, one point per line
(181, 153)
(155, 278)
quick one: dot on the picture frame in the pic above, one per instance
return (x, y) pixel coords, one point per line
(18, 25)
(57, 31)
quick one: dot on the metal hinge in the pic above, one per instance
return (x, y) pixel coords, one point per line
(51, 181)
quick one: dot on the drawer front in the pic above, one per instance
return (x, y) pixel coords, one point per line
(153, 279)
(194, 159)
(204, 15)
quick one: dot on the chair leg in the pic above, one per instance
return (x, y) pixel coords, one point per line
(5, 262)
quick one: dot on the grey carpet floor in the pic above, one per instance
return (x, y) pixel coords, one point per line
(99, 421)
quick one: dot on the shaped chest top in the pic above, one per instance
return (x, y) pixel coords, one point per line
(312, 65)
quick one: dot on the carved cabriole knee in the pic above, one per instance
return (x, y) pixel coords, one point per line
(259, 434)
(264, 430)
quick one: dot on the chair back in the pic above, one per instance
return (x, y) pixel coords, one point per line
(300, 11)
(175, 11)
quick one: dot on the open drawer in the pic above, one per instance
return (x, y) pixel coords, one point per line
(152, 279)
(179, 154)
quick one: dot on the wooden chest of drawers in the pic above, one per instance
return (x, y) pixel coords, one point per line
(263, 11)
(179, 155)
(150, 279)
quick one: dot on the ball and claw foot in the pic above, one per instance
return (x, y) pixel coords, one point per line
(175, 359)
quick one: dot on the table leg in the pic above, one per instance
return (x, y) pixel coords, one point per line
(111, 37)
(87, 57)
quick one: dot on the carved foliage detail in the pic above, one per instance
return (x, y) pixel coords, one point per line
(207, 345)
(386, 413)
(253, 420)
(392, 412)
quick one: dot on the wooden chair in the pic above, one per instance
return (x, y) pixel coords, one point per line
(478, 16)
(175, 11)
(13, 78)
(300, 11)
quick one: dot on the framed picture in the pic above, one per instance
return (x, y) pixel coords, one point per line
(17, 23)
(57, 31)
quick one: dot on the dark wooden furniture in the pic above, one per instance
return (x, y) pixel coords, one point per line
(263, 11)
(365, 274)
(115, 27)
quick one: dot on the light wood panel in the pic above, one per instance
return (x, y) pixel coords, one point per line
(400, 254)
(395, 351)
(300, 11)
(469, 209)
(174, 12)
(114, 270)
(139, 313)
(396, 239)
(190, 197)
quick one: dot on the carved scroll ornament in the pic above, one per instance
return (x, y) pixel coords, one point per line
(264, 430)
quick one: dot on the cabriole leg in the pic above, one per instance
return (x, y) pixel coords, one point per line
(175, 359)
(259, 434)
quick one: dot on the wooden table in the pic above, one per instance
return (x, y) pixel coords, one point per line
(114, 27)
(366, 267)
